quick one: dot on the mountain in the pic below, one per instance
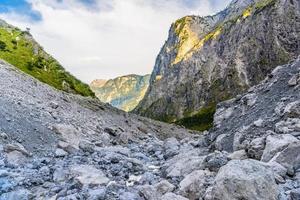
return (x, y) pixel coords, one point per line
(123, 92)
(210, 59)
(20, 49)
(57, 145)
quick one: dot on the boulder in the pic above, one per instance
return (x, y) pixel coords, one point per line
(97, 194)
(245, 179)
(172, 196)
(295, 194)
(238, 155)
(164, 187)
(148, 192)
(87, 146)
(275, 144)
(88, 175)
(292, 109)
(171, 147)
(16, 147)
(290, 156)
(256, 148)
(60, 153)
(183, 164)
(215, 160)
(21, 194)
(224, 142)
(195, 184)
(289, 125)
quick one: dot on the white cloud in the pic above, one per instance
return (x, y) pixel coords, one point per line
(110, 38)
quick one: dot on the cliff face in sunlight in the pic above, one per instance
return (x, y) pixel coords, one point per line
(210, 59)
(123, 92)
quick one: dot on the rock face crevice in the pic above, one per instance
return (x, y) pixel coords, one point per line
(210, 59)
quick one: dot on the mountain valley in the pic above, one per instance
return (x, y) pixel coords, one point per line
(218, 118)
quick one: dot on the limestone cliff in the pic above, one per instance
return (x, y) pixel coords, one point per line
(209, 59)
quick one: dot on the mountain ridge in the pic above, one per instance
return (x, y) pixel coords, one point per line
(210, 59)
(123, 92)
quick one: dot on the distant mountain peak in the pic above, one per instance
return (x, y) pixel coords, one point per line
(123, 92)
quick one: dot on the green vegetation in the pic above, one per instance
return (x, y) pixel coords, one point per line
(201, 121)
(19, 49)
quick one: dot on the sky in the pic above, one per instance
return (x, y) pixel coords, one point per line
(103, 39)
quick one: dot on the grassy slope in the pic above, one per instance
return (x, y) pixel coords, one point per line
(19, 49)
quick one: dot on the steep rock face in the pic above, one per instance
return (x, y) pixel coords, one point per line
(123, 92)
(207, 60)
(20, 49)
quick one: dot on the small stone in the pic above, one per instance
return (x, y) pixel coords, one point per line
(87, 146)
(111, 132)
(258, 123)
(293, 81)
(60, 153)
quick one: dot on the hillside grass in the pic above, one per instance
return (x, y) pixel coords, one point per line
(19, 49)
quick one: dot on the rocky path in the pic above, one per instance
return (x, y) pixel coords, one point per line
(76, 148)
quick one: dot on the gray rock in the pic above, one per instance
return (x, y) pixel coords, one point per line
(164, 187)
(290, 156)
(87, 146)
(295, 194)
(215, 160)
(224, 142)
(246, 179)
(194, 185)
(292, 109)
(60, 153)
(172, 196)
(148, 192)
(294, 80)
(129, 195)
(238, 155)
(171, 147)
(256, 148)
(21, 194)
(16, 147)
(97, 194)
(275, 144)
(88, 175)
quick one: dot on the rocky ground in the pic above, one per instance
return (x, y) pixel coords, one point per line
(59, 146)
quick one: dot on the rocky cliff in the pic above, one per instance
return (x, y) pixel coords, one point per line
(209, 59)
(123, 92)
(20, 49)
(61, 146)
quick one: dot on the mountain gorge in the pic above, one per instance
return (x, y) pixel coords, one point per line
(236, 74)
(210, 59)
(123, 92)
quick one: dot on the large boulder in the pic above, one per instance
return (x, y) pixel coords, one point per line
(275, 144)
(245, 179)
(290, 156)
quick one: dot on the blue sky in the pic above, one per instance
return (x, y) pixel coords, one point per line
(19, 6)
(103, 38)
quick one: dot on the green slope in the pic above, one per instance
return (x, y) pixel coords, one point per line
(21, 50)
